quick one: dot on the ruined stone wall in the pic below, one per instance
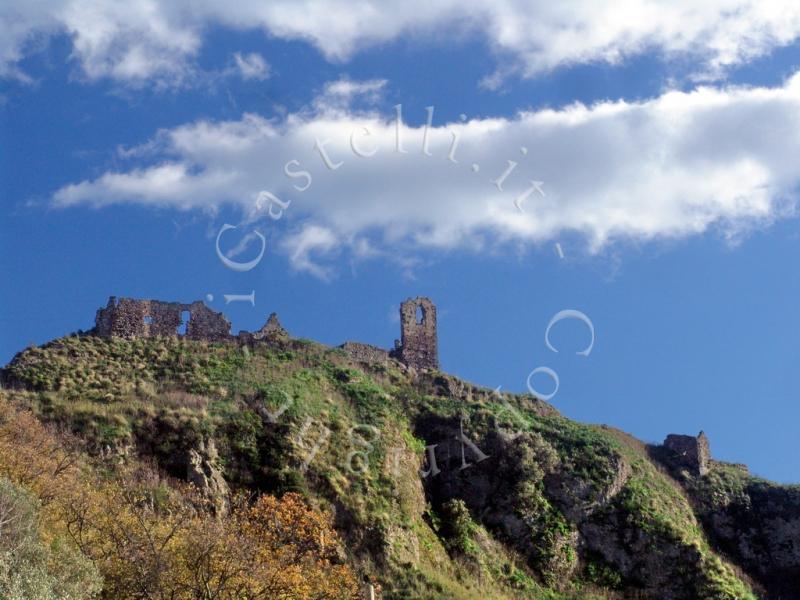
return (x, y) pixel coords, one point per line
(271, 328)
(703, 454)
(104, 318)
(205, 324)
(418, 344)
(365, 352)
(691, 453)
(272, 331)
(129, 318)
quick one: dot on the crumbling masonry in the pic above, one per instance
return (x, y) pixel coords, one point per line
(690, 453)
(418, 346)
(130, 319)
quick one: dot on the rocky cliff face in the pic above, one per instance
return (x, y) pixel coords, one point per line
(441, 489)
(753, 521)
(571, 498)
(203, 472)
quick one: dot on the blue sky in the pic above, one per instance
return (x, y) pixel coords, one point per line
(667, 154)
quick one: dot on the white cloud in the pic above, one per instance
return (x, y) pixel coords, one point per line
(129, 40)
(244, 244)
(342, 92)
(310, 239)
(251, 66)
(133, 40)
(670, 167)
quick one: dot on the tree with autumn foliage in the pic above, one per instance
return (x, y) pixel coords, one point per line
(277, 549)
(139, 535)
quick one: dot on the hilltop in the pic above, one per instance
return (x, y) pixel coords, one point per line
(437, 488)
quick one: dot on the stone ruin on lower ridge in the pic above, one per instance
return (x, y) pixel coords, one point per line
(688, 452)
(130, 318)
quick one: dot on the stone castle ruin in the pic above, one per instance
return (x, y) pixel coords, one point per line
(418, 345)
(688, 452)
(417, 348)
(129, 318)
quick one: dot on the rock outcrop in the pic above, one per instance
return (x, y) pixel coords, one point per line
(202, 471)
(755, 522)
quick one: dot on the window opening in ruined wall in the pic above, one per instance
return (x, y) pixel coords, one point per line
(185, 316)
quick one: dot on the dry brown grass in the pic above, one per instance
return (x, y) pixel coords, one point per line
(180, 399)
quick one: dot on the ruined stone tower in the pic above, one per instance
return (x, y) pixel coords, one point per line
(418, 346)
(687, 452)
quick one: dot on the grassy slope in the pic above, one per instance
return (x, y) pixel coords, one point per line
(163, 395)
